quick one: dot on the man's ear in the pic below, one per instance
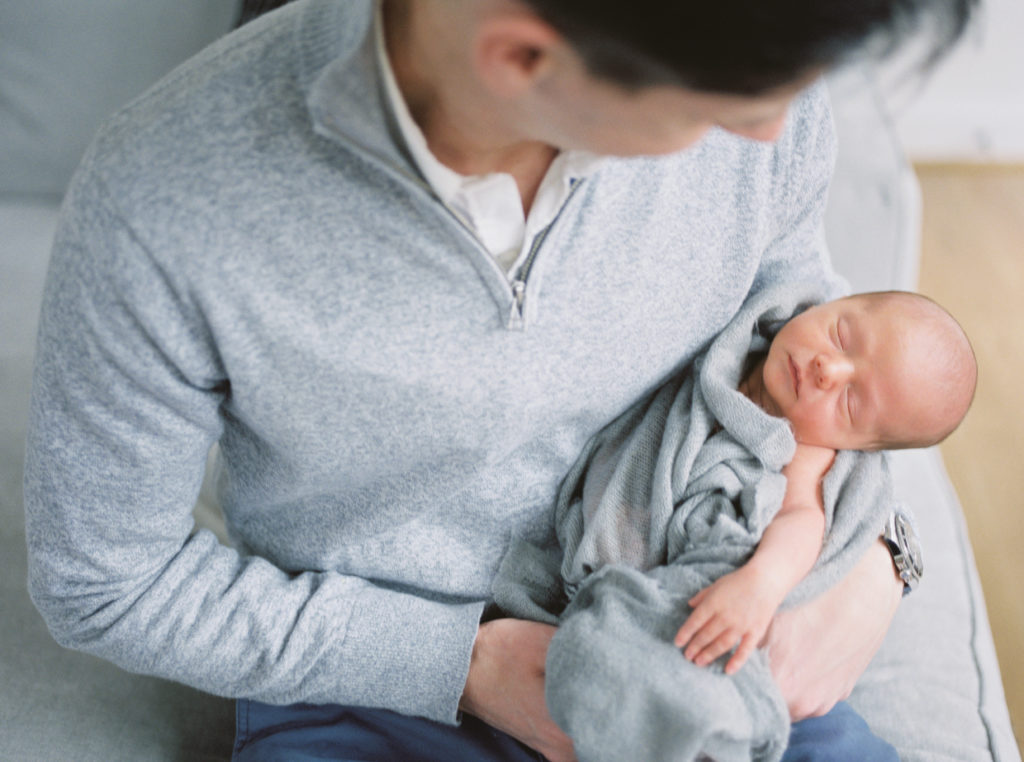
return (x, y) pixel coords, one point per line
(514, 52)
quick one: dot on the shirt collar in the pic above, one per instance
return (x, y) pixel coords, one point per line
(446, 182)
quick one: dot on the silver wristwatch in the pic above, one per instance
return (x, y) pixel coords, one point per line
(901, 539)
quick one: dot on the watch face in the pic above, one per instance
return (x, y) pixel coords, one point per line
(906, 540)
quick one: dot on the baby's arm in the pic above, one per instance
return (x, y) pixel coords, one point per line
(739, 606)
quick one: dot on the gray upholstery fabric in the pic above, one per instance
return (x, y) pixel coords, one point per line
(936, 673)
(64, 66)
(872, 221)
(934, 688)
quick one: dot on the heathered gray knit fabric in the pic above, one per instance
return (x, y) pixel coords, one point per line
(246, 256)
(663, 501)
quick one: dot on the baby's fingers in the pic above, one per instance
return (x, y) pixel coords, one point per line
(721, 644)
(695, 600)
(697, 619)
(705, 635)
(738, 659)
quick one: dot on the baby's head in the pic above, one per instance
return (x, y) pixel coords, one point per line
(885, 370)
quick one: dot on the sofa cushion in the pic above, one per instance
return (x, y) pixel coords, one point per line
(933, 690)
(65, 66)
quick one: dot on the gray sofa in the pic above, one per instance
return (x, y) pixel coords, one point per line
(934, 689)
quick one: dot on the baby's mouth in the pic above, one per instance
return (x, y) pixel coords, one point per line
(795, 372)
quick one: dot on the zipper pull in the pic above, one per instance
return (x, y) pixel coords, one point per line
(519, 294)
(516, 319)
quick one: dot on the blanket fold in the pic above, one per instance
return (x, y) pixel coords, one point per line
(668, 497)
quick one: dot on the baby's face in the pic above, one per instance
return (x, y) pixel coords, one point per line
(843, 372)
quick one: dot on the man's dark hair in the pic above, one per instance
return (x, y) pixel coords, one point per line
(745, 47)
(252, 8)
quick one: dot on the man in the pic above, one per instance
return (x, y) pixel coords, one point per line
(401, 262)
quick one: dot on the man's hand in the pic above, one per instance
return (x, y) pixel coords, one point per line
(818, 651)
(505, 687)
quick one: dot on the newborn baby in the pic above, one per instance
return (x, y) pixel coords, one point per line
(750, 479)
(873, 371)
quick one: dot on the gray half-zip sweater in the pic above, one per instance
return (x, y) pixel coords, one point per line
(246, 255)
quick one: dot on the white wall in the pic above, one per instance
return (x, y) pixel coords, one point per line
(971, 107)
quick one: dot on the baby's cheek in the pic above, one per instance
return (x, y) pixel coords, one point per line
(810, 427)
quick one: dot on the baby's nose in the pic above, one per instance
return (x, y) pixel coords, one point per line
(831, 370)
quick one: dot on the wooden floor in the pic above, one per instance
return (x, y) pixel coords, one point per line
(973, 263)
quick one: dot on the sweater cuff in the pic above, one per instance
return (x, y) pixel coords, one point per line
(409, 654)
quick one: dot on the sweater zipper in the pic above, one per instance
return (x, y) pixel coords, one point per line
(517, 318)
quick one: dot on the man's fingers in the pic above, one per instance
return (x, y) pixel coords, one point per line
(505, 685)
(556, 749)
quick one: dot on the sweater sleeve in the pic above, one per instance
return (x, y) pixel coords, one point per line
(799, 250)
(126, 404)
(805, 156)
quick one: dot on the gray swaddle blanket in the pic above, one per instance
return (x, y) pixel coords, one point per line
(673, 494)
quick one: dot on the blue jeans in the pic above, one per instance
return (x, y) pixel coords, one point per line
(304, 733)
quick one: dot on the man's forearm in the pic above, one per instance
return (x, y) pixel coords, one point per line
(819, 650)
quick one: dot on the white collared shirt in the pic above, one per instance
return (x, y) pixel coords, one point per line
(489, 205)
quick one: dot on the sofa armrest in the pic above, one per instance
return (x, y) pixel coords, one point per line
(873, 217)
(934, 689)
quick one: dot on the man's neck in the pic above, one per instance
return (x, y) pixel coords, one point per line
(463, 126)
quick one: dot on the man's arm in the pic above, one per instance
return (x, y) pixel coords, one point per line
(126, 404)
(819, 650)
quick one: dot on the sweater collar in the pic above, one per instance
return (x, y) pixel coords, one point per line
(343, 83)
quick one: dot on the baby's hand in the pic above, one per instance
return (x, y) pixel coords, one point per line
(735, 608)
